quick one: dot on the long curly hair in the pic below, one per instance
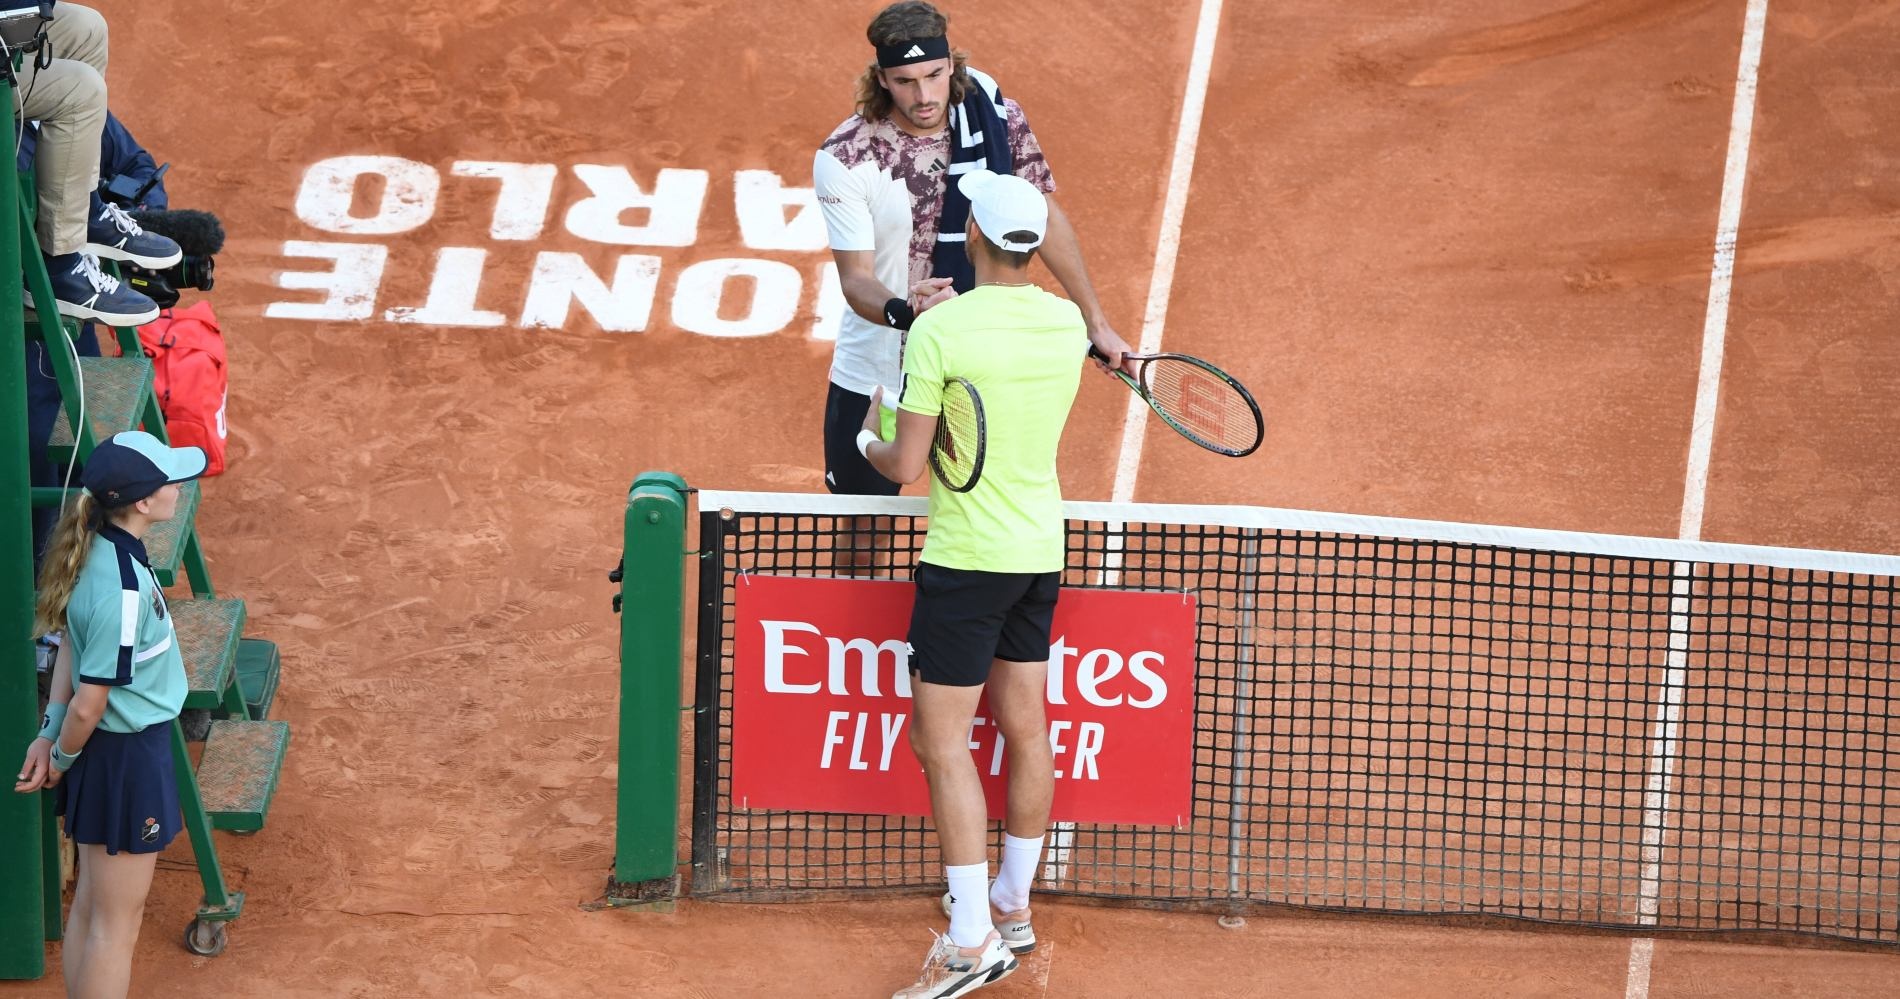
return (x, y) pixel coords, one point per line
(902, 22)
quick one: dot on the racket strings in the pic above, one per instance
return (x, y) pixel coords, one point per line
(959, 436)
(1202, 404)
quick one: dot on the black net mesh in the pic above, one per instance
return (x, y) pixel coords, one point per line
(1423, 727)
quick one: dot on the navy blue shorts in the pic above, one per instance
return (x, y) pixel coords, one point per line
(122, 792)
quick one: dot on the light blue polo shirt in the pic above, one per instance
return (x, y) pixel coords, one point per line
(122, 635)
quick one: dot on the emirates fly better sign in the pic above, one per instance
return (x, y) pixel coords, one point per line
(821, 703)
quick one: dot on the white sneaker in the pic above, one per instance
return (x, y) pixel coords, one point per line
(1015, 928)
(950, 972)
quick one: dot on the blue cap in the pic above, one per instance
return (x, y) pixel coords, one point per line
(133, 465)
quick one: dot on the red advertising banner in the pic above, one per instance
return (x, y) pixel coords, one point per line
(821, 703)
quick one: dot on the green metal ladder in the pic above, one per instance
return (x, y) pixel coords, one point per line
(236, 775)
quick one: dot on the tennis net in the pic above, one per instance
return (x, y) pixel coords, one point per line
(1412, 716)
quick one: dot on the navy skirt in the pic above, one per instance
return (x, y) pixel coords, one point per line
(122, 792)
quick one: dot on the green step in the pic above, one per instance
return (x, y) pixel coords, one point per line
(165, 542)
(237, 775)
(209, 631)
(258, 669)
(115, 391)
(34, 331)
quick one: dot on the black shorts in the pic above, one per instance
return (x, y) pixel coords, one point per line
(965, 618)
(847, 471)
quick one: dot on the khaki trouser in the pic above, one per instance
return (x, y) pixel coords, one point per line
(68, 99)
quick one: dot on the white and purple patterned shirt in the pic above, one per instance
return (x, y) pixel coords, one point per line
(881, 189)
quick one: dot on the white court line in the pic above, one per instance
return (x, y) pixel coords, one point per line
(1715, 324)
(1662, 763)
(1637, 984)
(1168, 246)
(1187, 136)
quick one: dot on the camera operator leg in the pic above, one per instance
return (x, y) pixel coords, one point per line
(78, 33)
(68, 99)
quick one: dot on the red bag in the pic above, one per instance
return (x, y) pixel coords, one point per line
(187, 352)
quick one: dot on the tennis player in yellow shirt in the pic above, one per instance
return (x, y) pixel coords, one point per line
(989, 574)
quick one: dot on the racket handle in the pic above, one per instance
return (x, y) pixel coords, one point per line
(1096, 353)
(888, 400)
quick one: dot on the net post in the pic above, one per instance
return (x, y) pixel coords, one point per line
(652, 590)
(23, 912)
(708, 872)
(1241, 750)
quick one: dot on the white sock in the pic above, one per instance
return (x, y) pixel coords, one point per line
(1011, 891)
(969, 911)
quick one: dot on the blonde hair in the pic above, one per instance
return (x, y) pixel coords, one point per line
(897, 23)
(66, 553)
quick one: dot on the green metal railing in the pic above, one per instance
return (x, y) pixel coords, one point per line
(24, 925)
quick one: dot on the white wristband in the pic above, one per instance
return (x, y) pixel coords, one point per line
(865, 437)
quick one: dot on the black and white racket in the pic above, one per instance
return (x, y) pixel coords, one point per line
(957, 453)
(956, 456)
(1200, 401)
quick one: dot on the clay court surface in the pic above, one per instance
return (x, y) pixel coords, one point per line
(1460, 250)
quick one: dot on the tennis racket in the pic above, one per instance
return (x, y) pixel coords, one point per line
(956, 456)
(1200, 401)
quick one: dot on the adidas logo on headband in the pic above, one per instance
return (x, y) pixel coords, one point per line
(905, 51)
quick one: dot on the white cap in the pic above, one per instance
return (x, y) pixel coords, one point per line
(1006, 203)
